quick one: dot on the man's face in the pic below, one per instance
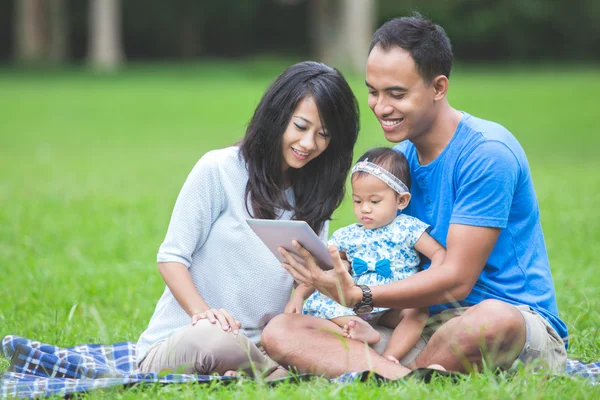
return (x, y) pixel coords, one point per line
(400, 99)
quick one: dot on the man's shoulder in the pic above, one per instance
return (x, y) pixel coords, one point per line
(481, 131)
(471, 133)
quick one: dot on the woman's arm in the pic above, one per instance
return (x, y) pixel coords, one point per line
(200, 201)
(179, 281)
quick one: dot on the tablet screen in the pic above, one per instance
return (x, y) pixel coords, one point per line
(280, 233)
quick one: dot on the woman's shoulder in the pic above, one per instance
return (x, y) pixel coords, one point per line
(221, 158)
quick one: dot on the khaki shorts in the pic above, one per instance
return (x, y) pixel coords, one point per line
(543, 346)
(206, 349)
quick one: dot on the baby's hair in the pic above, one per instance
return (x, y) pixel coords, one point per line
(392, 161)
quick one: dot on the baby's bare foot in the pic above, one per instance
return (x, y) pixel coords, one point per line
(361, 330)
(279, 373)
(436, 366)
(392, 359)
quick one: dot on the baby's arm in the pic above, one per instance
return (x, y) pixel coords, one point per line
(406, 333)
(301, 293)
(344, 258)
(431, 249)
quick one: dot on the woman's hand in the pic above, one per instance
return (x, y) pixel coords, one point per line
(227, 321)
(336, 284)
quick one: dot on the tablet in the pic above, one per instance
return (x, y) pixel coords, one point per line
(280, 233)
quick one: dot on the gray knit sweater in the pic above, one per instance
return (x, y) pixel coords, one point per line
(230, 266)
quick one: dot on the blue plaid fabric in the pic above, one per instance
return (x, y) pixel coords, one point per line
(37, 369)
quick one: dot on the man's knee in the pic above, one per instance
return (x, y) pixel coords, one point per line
(497, 318)
(492, 324)
(274, 334)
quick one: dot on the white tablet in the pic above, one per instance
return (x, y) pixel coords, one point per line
(280, 233)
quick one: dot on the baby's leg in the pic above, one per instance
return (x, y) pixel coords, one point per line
(391, 318)
(354, 327)
(408, 325)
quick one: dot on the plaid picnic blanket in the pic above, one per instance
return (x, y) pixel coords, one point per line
(37, 369)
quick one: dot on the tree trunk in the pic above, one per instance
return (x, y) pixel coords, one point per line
(57, 48)
(30, 45)
(324, 29)
(358, 25)
(104, 47)
(341, 32)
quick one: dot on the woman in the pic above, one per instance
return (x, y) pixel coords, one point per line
(222, 284)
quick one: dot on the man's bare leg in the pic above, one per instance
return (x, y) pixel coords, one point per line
(493, 328)
(315, 345)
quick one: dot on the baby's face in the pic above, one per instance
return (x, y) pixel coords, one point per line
(375, 203)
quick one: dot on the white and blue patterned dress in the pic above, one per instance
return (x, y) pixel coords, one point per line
(378, 256)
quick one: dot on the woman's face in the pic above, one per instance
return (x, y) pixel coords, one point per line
(305, 138)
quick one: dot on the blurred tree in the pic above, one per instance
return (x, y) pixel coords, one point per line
(341, 32)
(532, 30)
(40, 31)
(58, 24)
(328, 30)
(191, 35)
(105, 50)
(29, 28)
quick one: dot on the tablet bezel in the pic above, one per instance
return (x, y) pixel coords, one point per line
(280, 233)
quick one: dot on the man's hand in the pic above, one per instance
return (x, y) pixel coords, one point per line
(227, 321)
(337, 284)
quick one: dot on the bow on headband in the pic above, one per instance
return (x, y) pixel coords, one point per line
(382, 267)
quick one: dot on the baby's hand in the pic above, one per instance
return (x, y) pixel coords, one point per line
(294, 306)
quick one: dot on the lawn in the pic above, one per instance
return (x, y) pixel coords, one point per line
(90, 167)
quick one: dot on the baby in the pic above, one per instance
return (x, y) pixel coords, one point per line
(382, 248)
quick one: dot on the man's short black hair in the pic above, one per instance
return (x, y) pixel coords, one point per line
(426, 42)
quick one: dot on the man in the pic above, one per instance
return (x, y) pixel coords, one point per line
(493, 298)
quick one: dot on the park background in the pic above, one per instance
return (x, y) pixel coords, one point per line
(106, 105)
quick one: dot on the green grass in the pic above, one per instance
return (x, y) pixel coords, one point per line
(90, 167)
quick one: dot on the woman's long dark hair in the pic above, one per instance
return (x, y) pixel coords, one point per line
(319, 186)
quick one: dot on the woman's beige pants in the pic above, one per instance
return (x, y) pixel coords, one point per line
(206, 349)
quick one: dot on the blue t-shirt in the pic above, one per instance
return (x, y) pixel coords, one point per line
(482, 178)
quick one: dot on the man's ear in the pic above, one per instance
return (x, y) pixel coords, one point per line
(440, 86)
(403, 200)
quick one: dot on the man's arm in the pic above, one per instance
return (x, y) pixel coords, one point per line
(468, 248)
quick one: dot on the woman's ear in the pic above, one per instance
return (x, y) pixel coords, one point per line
(403, 199)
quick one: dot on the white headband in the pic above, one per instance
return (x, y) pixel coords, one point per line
(384, 175)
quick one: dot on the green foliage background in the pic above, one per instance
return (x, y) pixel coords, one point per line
(90, 167)
(540, 30)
